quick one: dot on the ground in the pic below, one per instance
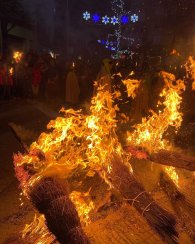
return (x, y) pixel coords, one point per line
(12, 216)
(121, 225)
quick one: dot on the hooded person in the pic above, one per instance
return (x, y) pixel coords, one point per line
(104, 75)
(72, 87)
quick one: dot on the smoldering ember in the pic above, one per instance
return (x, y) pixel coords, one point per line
(97, 121)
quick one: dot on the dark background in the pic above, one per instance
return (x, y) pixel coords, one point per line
(58, 24)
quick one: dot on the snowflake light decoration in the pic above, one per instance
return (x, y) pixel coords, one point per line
(96, 18)
(111, 45)
(118, 19)
(134, 18)
(86, 15)
(105, 20)
(124, 19)
(114, 20)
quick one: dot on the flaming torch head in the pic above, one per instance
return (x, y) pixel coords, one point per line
(17, 56)
(11, 71)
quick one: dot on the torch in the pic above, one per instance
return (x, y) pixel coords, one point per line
(17, 56)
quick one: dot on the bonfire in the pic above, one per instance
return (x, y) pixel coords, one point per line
(57, 172)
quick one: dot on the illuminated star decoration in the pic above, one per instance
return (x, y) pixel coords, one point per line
(96, 18)
(86, 15)
(134, 18)
(124, 19)
(105, 20)
(114, 20)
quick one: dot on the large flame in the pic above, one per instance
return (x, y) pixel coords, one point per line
(149, 134)
(74, 139)
(88, 140)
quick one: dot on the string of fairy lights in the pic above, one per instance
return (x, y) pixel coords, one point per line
(118, 19)
(114, 20)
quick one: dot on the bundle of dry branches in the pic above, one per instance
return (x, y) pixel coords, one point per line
(164, 157)
(180, 204)
(51, 198)
(158, 218)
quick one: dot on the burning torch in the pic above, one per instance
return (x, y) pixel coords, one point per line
(11, 71)
(17, 56)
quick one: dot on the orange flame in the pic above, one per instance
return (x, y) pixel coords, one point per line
(11, 71)
(82, 207)
(88, 140)
(149, 133)
(132, 87)
(17, 56)
(39, 230)
(174, 52)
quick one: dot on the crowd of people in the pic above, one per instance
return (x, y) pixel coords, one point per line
(41, 76)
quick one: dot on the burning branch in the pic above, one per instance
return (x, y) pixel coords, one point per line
(163, 157)
(78, 140)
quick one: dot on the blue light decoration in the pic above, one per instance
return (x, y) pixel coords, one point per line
(124, 19)
(110, 45)
(105, 20)
(86, 15)
(134, 18)
(96, 18)
(119, 17)
(114, 20)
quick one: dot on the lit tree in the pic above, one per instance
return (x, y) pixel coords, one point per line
(119, 18)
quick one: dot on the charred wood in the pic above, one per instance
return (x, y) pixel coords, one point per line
(174, 159)
(164, 157)
(180, 205)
